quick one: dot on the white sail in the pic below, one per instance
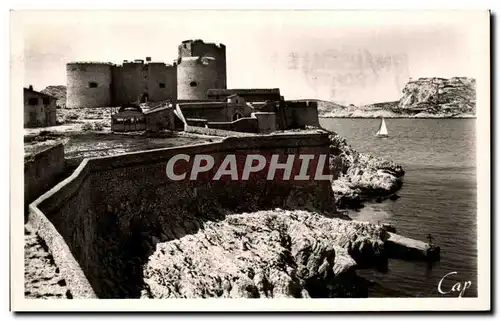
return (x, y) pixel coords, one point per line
(382, 131)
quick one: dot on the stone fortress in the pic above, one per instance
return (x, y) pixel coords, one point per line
(195, 84)
(103, 220)
(199, 67)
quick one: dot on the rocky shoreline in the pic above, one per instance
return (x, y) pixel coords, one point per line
(267, 254)
(376, 115)
(361, 177)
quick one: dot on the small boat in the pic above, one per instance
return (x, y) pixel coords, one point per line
(382, 130)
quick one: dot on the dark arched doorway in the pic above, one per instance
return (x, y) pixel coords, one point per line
(144, 98)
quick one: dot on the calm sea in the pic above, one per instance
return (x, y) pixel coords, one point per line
(438, 197)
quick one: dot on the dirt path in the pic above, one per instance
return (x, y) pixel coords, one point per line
(42, 279)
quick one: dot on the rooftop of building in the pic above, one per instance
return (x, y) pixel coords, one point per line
(220, 45)
(31, 90)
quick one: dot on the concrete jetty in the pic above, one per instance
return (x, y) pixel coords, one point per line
(404, 248)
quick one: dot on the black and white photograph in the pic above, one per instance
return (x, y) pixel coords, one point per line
(297, 159)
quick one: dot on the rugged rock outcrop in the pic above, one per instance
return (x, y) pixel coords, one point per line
(449, 97)
(421, 98)
(266, 254)
(360, 176)
(59, 92)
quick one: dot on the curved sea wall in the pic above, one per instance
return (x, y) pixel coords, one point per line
(104, 221)
(42, 169)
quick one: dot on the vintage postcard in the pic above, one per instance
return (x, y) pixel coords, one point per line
(293, 160)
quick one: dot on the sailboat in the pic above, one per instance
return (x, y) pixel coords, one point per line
(382, 130)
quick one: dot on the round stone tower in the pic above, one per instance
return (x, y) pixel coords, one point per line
(213, 66)
(195, 76)
(88, 84)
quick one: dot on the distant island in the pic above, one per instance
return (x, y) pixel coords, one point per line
(422, 98)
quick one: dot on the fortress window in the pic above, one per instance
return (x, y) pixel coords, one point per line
(46, 101)
(92, 84)
(33, 101)
(193, 84)
(162, 85)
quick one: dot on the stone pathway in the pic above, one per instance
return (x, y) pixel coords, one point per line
(42, 279)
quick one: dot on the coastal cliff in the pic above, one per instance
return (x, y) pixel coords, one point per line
(439, 96)
(421, 98)
(266, 254)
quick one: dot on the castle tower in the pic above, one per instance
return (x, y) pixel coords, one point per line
(201, 66)
(195, 76)
(88, 84)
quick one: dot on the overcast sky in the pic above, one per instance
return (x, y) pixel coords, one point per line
(348, 56)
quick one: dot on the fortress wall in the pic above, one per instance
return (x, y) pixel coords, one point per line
(302, 113)
(217, 112)
(161, 75)
(193, 128)
(42, 170)
(132, 80)
(171, 82)
(118, 95)
(88, 85)
(157, 75)
(113, 210)
(232, 109)
(247, 125)
(131, 83)
(266, 121)
(200, 112)
(65, 223)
